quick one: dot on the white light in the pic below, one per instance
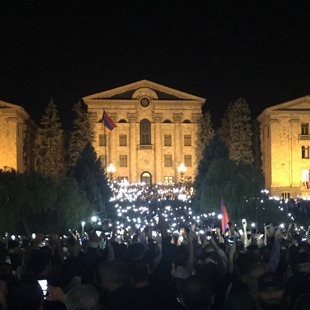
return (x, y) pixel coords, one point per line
(83, 223)
(220, 216)
(94, 218)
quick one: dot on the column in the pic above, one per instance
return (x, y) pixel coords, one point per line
(158, 118)
(177, 158)
(133, 142)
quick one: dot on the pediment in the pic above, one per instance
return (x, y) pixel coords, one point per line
(6, 105)
(13, 108)
(300, 104)
(141, 88)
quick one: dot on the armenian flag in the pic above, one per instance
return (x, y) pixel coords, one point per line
(225, 219)
(107, 124)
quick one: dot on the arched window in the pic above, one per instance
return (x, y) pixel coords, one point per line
(122, 121)
(146, 178)
(145, 132)
(187, 121)
(166, 121)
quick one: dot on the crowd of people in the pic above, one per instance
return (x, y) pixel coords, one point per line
(194, 267)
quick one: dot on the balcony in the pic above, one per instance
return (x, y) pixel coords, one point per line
(145, 147)
(303, 137)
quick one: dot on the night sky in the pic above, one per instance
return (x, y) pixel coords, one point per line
(218, 50)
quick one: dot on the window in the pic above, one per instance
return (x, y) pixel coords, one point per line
(146, 178)
(122, 140)
(168, 160)
(123, 160)
(122, 121)
(102, 140)
(305, 129)
(285, 195)
(187, 121)
(145, 132)
(168, 180)
(103, 160)
(305, 152)
(167, 140)
(187, 140)
(167, 121)
(188, 160)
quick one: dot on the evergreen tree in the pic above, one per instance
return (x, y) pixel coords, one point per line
(81, 134)
(49, 151)
(236, 131)
(205, 134)
(240, 185)
(216, 149)
(92, 180)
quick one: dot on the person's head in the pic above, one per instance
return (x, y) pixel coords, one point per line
(197, 293)
(26, 294)
(136, 251)
(113, 274)
(301, 264)
(38, 263)
(271, 291)
(139, 273)
(83, 297)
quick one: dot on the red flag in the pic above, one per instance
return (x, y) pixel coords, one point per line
(107, 124)
(225, 218)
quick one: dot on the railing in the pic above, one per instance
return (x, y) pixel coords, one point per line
(145, 147)
(303, 137)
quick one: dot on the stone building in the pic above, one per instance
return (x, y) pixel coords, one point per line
(285, 143)
(15, 137)
(156, 131)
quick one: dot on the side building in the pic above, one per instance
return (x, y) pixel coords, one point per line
(156, 131)
(285, 143)
(16, 138)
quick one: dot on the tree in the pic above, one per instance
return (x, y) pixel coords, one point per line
(81, 134)
(216, 149)
(236, 131)
(240, 184)
(69, 209)
(92, 180)
(49, 151)
(23, 195)
(33, 202)
(205, 134)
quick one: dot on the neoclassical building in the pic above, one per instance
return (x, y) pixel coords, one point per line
(156, 131)
(285, 143)
(15, 141)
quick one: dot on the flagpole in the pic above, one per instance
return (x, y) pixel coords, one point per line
(105, 144)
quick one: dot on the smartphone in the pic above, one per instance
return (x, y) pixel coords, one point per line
(208, 235)
(231, 240)
(43, 284)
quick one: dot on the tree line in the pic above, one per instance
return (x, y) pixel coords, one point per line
(65, 184)
(229, 165)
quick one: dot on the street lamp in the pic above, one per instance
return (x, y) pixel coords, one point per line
(83, 224)
(111, 170)
(182, 170)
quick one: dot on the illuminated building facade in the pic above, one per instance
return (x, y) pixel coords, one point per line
(15, 145)
(156, 131)
(285, 144)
